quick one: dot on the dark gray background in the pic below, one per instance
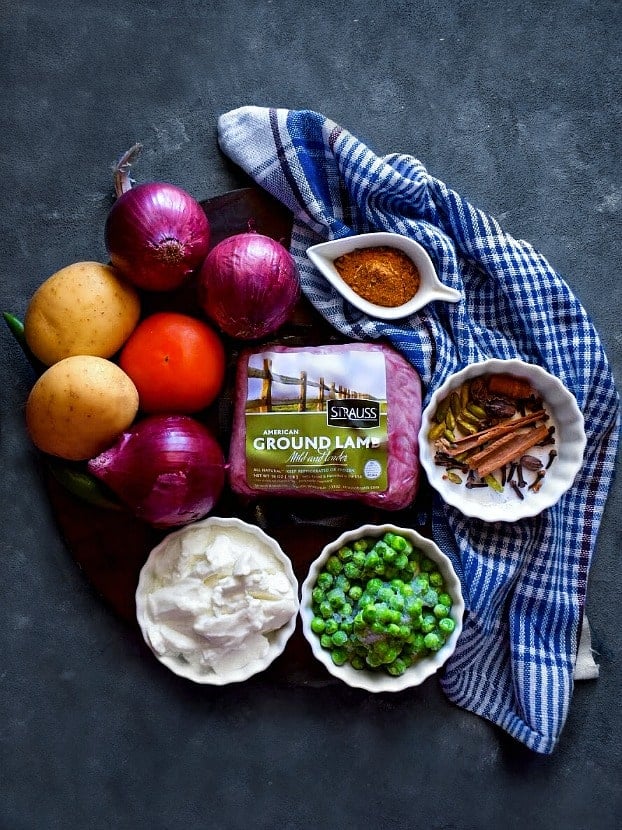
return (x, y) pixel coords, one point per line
(516, 106)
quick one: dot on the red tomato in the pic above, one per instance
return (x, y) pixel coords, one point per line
(177, 363)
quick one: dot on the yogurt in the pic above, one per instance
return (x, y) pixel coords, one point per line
(217, 600)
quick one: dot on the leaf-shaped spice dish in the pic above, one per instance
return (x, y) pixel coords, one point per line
(326, 254)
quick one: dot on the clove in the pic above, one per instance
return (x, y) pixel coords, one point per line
(537, 482)
(548, 439)
(520, 479)
(517, 490)
(473, 481)
(552, 457)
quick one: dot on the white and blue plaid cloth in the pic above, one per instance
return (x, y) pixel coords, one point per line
(524, 583)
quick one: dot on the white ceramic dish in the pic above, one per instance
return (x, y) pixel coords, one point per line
(161, 558)
(485, 503)
(378, 681)
(431, 288)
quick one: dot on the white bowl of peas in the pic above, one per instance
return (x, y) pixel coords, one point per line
(382, 608)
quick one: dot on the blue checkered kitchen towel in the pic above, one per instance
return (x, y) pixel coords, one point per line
(524, 583)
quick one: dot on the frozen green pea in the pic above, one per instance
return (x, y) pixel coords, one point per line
(401, 562)
(339, 656)
(428, 623)
(318, 625)
(318, 595)
(418, 644)
(370, 614)
(355, 593)
(324, 580)
(371, 560)
(440, 611)
(421, 583)
(436, 579)
(336, 598)
(433, 641)
(373, 586)
(339, 638)
(446, 625)
(430, 598)
(342, 581)
(397, 667)
(325, 609)
(334, 565)
(359, 558)
(345, 553)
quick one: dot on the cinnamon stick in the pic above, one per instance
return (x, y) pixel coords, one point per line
(470, 442)
(501, 456)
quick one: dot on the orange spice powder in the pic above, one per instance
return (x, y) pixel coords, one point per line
(384, 276)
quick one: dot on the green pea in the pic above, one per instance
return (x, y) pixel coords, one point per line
(326, 609)
(436, 579)
(397, 667)
(339, 656)
(318, 595)
(433, 641)
(355, 593)
(331, 626)
(345, 553)
(324, 580)
(447, 625)
(318, 625)
(339, 638)
(334, 565)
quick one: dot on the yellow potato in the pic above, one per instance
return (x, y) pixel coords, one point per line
(80, 406)
(85, 308)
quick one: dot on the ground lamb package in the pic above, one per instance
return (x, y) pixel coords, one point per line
(338, 421)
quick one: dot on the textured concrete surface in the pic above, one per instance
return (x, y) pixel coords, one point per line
(514, 105)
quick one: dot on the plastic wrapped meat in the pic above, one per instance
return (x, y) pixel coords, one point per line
(339, 421)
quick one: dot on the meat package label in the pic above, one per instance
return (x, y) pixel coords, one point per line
(317, 420)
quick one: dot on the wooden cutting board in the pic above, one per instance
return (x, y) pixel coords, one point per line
(111, 546)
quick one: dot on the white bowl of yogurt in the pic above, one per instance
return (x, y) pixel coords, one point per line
(217, 601)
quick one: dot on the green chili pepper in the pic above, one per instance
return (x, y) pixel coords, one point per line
(82, 484)
(16, 327)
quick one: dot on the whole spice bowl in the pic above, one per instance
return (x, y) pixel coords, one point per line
(217, 601)
(382, 608)
(385, 275)
(501, 440)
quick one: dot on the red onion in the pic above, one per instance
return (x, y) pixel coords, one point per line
(168, 469)
(248, 285)
(157, 235)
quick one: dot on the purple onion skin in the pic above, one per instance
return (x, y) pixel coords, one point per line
(248, 285)
(157, 235)
(169, 470)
